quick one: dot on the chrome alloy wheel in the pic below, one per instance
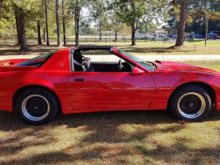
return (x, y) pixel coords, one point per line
(191, 105)
(35, 107)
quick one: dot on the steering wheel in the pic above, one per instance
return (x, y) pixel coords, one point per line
(120, 65)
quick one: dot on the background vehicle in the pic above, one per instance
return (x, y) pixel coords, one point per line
(199, 35)
(159, 37)
(214, 35)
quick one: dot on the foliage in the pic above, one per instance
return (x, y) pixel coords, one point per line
(142, 12)
(197, 12)
(125, 30)
(99, 14)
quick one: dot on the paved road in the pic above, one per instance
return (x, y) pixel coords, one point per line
(144, 57)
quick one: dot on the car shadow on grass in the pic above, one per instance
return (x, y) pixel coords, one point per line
(104, 138)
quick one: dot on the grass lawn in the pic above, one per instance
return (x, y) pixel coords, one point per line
(135, 137)
(142, 47)
(214, 65)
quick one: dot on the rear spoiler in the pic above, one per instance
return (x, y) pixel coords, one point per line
(17, 68)
(11, 62)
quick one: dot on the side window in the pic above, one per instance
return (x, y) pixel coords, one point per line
(99, 61)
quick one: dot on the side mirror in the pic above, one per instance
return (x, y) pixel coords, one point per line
(137, 70)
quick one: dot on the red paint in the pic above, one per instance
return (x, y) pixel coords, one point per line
(103, 91)
(137, 70)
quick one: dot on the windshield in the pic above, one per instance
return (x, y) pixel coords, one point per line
(37, 61)
(147, 65)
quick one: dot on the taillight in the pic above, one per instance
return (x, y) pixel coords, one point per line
(216, 34)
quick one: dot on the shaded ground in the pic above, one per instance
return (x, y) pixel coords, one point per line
(33, 50)
(135, 137)
(142, 48)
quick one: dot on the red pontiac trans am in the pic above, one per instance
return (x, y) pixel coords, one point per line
(70, 81)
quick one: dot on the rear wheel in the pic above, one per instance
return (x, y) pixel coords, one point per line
(191, 103)
(214, 38)
(37, 106)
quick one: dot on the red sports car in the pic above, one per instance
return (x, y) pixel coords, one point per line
(70, 81)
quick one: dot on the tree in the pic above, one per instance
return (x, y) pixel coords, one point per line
(59, 41)
(70, 29)
(137, 14)
(126, 30)
(23, 10)
(181, 29)
(76, 20)
(39, 35)
(187, 11)
(115, 21)
(75, 10)
(7, 22)
(64, 27)
(47, 33)
(99, 15)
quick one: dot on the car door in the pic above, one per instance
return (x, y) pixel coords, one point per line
(110, 90)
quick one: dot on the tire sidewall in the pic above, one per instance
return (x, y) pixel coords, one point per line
(173, 105)
(46, 94)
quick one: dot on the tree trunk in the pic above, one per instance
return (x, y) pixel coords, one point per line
(18, 28)
(39, 35)
(44, 34)
(48, 43)
(59, 41)
(77, 25)
(132, 35)
(133, 28)
(206, 30)
(64, 28)
(116, 35)
(100, 30)
(23, 46)
(181, 29)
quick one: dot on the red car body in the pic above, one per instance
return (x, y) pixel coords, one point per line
(79, 92)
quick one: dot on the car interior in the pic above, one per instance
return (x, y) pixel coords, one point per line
(86, 64)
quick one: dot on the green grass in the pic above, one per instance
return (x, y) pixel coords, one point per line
(135, 137)
(214, 65)
(141, 48)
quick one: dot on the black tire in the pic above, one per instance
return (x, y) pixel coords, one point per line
(214, 38)
(37, 98)
(185, 103)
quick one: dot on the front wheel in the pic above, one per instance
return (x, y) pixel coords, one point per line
(191, 103)
(37, 106)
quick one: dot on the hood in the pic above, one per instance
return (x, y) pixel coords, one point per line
(11, 62)
(174, 66)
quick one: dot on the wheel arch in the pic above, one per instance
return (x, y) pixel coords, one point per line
(20, 90)
(203, 85)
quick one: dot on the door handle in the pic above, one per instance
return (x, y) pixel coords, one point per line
(79, 80)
